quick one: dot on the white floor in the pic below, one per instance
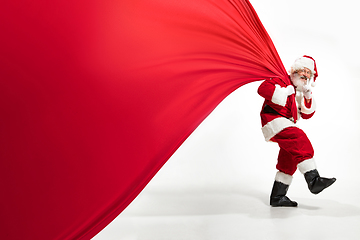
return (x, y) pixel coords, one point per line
(237, 214)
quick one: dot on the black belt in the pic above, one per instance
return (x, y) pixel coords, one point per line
(268, 109)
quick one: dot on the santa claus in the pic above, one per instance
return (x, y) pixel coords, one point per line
(279, 125)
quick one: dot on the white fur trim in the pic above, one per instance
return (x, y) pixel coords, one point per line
(312, 82)
(275, 126)
(302, 62)
(306, 110)
(307, 165)
(283, 178)
(280, 95)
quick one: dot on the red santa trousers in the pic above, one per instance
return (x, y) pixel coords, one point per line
(295, 147)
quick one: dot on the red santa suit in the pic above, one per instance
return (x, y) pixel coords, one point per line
(278, 126)
(283, 105)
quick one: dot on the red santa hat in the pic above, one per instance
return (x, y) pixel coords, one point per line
(308, 62)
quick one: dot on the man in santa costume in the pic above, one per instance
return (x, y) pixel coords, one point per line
(279, 125)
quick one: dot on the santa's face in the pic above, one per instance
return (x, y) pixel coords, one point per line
(304, 73)
(299, 78)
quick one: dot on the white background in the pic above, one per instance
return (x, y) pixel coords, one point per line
(217, 185)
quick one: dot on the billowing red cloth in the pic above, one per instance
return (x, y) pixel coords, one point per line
(95, 96)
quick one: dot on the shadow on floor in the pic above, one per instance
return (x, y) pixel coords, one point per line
(220, 202)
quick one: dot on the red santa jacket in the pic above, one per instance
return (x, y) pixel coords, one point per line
(276, 111)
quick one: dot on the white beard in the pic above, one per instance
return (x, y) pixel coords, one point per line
(298, 81)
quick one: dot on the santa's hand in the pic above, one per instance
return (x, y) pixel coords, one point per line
(290, 90)
(307, 91)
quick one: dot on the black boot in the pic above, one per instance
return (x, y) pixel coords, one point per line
(278, 198)
(316, 183)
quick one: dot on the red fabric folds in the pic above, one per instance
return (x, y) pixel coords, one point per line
(95, 96)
